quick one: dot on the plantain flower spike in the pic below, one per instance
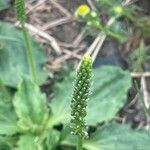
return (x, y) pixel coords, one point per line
(80, 96)
(20, 10)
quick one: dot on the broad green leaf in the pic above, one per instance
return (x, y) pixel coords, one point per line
(118, 137)
(4, 4)
(67, 138)
(8, 119)
(113, 137)
(7, 142)
(53, 139)
(4, 146)
(30, 106)
(13, 58)
(29, 142)
(110, 87)
(109, 90)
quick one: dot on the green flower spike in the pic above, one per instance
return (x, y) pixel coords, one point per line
(20, 10)
(80, 97)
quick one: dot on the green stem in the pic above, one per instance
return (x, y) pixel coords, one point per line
(80, 143)
(29, 53)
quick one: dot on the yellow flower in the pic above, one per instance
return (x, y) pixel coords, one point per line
(82, 11)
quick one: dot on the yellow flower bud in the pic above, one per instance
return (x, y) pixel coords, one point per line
(82, 11)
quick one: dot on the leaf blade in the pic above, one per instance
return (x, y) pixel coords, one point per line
(28, 142)
(112, 136)
(4, 4)
(101, 98)
(13, 57)
(118, 137)
(8, 118)
(30, 106)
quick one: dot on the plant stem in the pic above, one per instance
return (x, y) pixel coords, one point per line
(80, 143)
(29, 53)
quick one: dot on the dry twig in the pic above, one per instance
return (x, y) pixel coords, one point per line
(139, 75)
(44, 35)
(56, 22)
(145, 92)
(61, 8)
(145, 98)
(98, 42)
(91, 4)
(78, 39)
(35, 6)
